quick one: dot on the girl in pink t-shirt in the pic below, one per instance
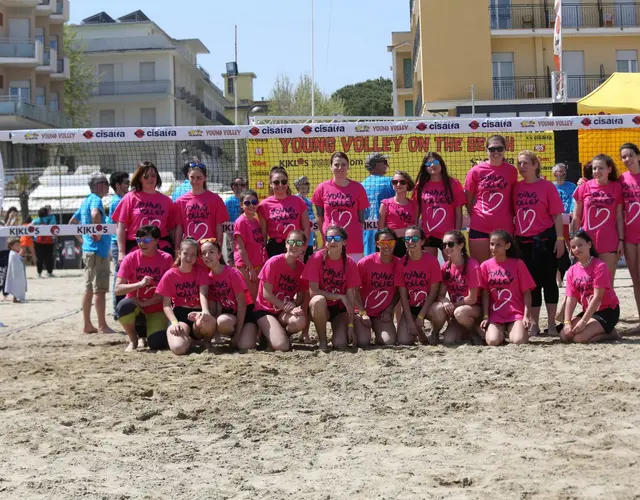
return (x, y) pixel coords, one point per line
(142, 206)
(630, 182)
(440, 201)
(461, 281)
(589, 282)
(489, 189)
(202, 212)
(422, 277)
(281, 213)
(399, 212)
(342, 202)
(599, 210)
(250, 254)
(539, 233)
(180, 291)
(224, 296)
(334, 283)
(380, 277)
(506, 296)
(282, 298)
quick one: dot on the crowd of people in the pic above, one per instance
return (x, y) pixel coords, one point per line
(181, 281)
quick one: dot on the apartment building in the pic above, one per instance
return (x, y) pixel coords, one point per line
(33, 66)
(144, 77)
(499, 54)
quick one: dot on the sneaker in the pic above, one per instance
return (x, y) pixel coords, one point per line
(51, 275)
(131, 347)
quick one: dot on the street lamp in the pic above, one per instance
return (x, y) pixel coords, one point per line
(254, 109)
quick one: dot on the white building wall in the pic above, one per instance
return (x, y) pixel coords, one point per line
(128, 114)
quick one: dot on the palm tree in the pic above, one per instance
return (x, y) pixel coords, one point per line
(24, 184)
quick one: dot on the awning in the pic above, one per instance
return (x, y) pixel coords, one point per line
(620, 94)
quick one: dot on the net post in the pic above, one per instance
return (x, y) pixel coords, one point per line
(558, 86)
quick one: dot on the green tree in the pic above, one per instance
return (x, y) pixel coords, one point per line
(77, 88)
(287, 99)
(370, 98)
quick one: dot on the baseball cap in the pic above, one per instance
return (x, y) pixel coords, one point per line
(300, 180)
(373, 159)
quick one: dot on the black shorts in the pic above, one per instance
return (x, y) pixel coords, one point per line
(181, 314)
(276, 246)
(249, 315)
(335, 310)
(478, 235)
(433, 242)
(608, 318)
(261, 314)
(400, 250)
(415, 310)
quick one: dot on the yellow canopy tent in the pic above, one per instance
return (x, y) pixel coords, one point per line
(619, 95)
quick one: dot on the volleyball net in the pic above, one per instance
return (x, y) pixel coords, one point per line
(52, 167)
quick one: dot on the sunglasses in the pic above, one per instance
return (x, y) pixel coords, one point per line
(146, 241)
(197, 165)
(149, 176)
(207, 240)
(337, 238)
(295, 243)
(386, 243)
(246, 203)
(495, 149)
(283, 182)
(399, 182)
(433, 163)
(410, 239)
(449, 244)
(239, 185)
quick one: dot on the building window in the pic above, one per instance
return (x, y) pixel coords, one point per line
(54, 103)
(408, 108)
(53, 42)
(20, 90)
(503, 75)
(230, 85)
(147, 71)
(107, 118)
(40, 99)
(407, 74)
(627, 61)
(148, 117)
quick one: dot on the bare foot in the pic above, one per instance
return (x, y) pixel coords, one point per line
(106, 329)
(131, 347)
(142, 343)
(89, 329)
(534, 331)
(217, 338)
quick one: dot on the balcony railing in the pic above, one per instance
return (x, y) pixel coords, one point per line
(194, 101)
(45, 2)
(585, 15)
(539, 87)
(14, 105)
(131, 88)
(205, 73)
(17, 48)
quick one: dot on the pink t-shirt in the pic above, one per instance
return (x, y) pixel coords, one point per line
(183, 288)
(282, 216)
(341, 206)
(332, 276)
(286, 281)
(136, 266)
(200, 214)
(251, 233)
(224, 287)
(506, 283)
(536, 203)
(379, 282)
(439, 215)
(581, 283)
(137, 209)
(400, 216)
(459, 283)
(631, 195)
(599, 213)
(418, 276)
(492, 188)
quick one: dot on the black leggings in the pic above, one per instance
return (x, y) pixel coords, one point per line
(538, 253)
(44, 256)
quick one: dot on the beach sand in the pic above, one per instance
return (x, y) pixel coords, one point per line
(82, 419)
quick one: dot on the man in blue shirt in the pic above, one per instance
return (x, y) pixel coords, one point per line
(95, 254)
(378, 188)
(564, 187)
(302, 185)
(119, 182)
(185, 187)
(233, 208)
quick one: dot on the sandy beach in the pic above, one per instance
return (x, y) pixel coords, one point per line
(82, 419)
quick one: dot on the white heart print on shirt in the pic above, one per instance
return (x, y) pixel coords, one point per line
(284, 230)
(488, 205)
(434, 217)
(597, 217)
(419, 297)
(377, 298)
(523, 215)
(500, 302)
(343, 219)
(145, 221)
(197, 230)
(633, 215)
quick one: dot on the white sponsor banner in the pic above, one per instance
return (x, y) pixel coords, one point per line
(451, 126)
(58, 230)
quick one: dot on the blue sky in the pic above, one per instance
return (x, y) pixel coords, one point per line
(274, 37)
